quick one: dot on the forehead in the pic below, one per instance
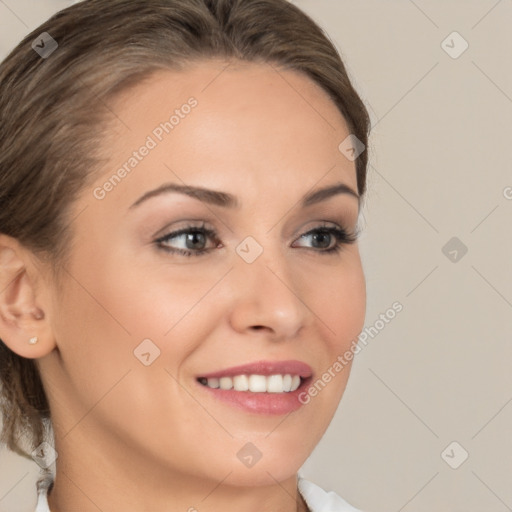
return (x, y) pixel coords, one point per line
(226, 90)
(252, 125)
(233, 80)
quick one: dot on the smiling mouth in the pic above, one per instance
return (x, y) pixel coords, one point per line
(278, 383)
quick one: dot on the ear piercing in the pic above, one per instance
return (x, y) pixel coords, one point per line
(33, 340)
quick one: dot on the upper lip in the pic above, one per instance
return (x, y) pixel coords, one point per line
(291, 367)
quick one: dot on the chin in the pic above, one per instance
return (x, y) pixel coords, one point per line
(274, 465)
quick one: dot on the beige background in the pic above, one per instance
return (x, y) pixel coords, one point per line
(440, 163)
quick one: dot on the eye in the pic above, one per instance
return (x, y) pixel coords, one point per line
(325, 236)
(195, 239)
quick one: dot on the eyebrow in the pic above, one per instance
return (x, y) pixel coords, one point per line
(227, 200)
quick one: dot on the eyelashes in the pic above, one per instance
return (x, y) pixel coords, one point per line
(203, 231)
(201, 234)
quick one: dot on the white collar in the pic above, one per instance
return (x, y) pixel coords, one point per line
(319, 500)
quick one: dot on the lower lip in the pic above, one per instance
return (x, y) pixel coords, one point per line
(260, 403)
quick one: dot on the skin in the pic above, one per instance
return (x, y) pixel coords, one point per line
(147, 438)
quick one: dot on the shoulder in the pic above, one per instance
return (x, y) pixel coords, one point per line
(319, 500)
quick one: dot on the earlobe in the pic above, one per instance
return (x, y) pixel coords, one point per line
(24, 326)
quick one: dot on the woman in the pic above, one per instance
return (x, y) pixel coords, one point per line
(156, 374)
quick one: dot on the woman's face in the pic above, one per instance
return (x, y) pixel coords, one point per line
(138, 323)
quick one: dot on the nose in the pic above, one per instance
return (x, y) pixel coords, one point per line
(266, 296)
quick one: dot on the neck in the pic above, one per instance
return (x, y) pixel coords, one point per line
(67, 494)
(89, 478)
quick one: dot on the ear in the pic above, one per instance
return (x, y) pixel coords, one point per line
(24, 304)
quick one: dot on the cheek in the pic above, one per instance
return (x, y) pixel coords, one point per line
(110, 319)
(341, 308)
(105, 322)
(340, 302)
(101, 318)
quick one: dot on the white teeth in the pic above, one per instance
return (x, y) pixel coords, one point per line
(226, 383)
(256, 383)
(275, 384)
(287, 382)
(241, 383)
(213, 383)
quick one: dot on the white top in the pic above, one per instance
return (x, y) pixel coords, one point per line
(315, 497)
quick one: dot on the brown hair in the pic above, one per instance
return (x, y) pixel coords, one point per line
(53, 111)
